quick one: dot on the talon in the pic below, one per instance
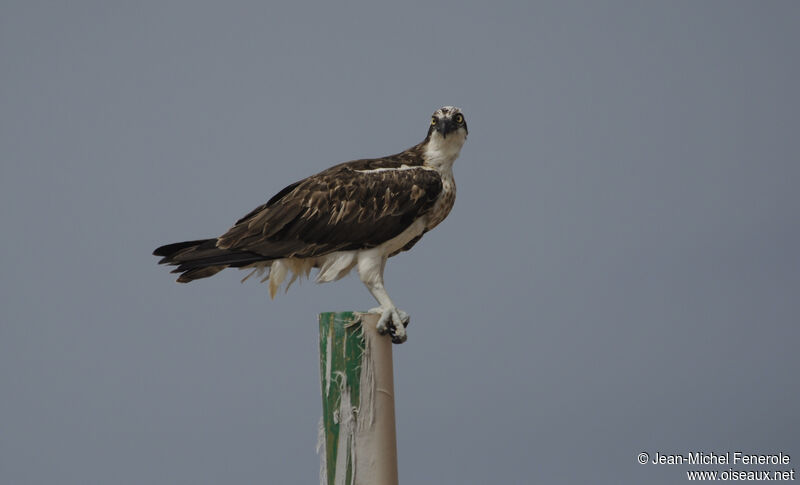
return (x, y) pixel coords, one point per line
(399, 339)
(384, 322)
(392, 322)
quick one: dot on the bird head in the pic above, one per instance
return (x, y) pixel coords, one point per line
(446, 121)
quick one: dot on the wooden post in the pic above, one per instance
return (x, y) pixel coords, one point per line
(357, 440)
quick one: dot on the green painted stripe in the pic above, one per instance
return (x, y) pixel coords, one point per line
(344, 352)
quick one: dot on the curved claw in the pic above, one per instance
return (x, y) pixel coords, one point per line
(393, 322)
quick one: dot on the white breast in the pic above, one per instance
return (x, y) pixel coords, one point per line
(440, 154)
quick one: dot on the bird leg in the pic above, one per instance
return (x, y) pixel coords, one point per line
(392, 320)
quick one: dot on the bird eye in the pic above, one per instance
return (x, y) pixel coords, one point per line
(459, 119)
(433, 121)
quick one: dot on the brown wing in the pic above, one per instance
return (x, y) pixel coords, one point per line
(342, 208)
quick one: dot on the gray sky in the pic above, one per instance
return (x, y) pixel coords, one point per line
(620, 272)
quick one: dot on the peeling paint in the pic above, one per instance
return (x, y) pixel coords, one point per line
(348, 385)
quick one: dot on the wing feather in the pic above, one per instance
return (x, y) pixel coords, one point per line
(340, 208)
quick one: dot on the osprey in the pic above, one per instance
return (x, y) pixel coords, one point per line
(353, 215)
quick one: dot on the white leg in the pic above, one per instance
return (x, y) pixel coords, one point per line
(370, 269)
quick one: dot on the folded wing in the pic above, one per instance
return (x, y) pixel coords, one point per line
(339, 209)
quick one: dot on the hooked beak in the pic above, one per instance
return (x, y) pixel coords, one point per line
(446, 126)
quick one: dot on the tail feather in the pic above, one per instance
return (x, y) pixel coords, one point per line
(202, 258)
